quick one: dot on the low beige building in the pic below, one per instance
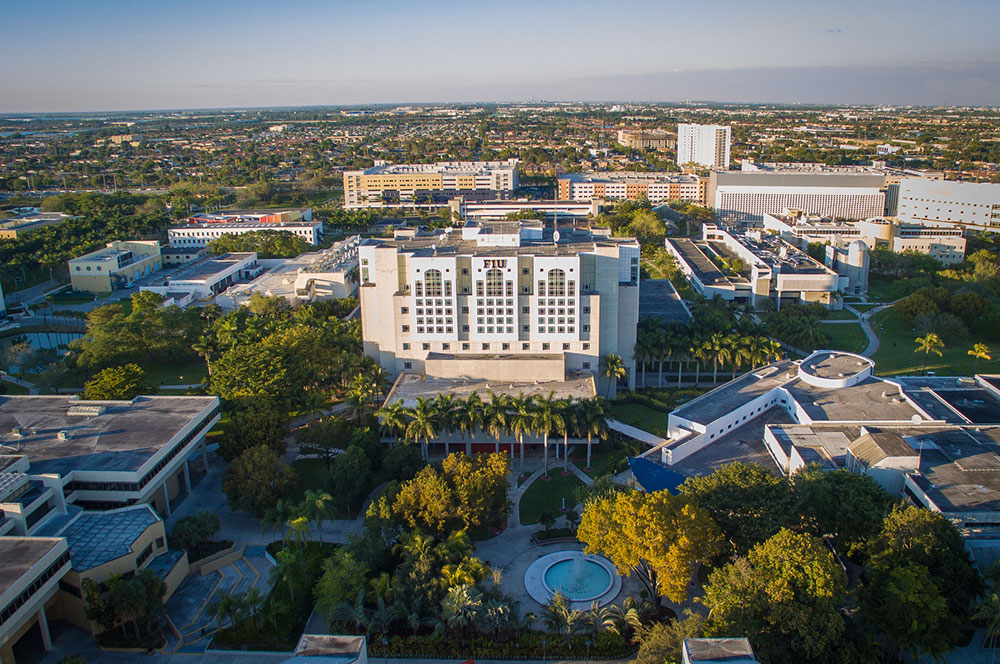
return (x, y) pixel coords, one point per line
(117, 265)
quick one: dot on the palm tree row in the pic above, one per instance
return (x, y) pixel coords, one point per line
(498, 415)
(658, 344)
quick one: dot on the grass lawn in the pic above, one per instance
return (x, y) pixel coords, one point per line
(311, 474)
(70, 299)
(850, 338)
(895, 354)
(13, 388)
(545, 495)
(176, 374)
(641, 417)
(878, 289)
(864, 306)
(601, 462)
(843, 314)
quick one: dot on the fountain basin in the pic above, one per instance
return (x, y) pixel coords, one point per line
(582, 578)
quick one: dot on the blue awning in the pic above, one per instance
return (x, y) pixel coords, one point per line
(654, 477)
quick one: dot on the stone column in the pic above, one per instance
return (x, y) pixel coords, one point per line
(43, 626)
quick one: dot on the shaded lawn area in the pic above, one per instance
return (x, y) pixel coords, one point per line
(547, 495)
(176, 374)
(879, 288)
(641, 417)
(843, 314)
(895, 354)
(13, 388)
(311, 475)
(850, 338)
(864, 306)
(602, 462)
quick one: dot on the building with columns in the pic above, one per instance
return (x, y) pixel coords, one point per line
(481, 301)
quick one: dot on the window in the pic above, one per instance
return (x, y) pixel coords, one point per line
(406, 328)
(505, 347)
(494, 283)
(465, 346)
(525, 346)
(525, 310)
(404, 310)
(586, 346)
(486, 346)
(426, 346)
(407, 365)
(565, 346)
(432, 283)
(524, 270)
(586, 365)
(556, 283)
(445, 346)
(545, 346)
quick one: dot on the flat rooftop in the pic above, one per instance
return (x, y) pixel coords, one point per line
(258, 225)
(726, 398)
(411, 386)
(659, 299)
(327, 645)
(976, 404)
(19, 554)
(719, 650)
(96, 538)
(210, 266)
(960, 473)
(835, 365)
(572, 241)
(827, 445)
(872, 400)
(703, 267)
(121, 438)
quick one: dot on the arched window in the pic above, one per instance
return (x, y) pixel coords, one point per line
(557, 283)
(494, 283)
(432, 283)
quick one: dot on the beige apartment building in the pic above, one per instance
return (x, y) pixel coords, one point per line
(654, 187)
(647, 140)
(117, 265)
(428, 185)
(507, 302)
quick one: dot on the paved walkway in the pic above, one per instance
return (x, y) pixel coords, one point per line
(633, 432)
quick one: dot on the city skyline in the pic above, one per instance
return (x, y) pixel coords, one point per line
(111, 55)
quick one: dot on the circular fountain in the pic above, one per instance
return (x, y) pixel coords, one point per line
(580, 577)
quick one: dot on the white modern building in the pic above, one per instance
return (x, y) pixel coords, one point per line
(428, 185)
(200, 235)
(965, 205)
(746, 196)
(704, 145)
(318, 275)
(620, 186)
(768, 268)
(208, 277)
(503, 301)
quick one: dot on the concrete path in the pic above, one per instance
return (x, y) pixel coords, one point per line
(633, 432)
(32, 388)
(864, 317)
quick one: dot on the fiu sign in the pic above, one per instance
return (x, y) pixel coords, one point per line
(498, 263)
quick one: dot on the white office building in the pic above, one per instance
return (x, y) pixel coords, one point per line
(705, 145)
(502, 301)
(971, 205)
(747, 196)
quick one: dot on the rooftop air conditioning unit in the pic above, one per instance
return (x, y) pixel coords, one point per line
(63, 435)
(17, 431)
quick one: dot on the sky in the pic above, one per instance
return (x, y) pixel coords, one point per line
(92, 55)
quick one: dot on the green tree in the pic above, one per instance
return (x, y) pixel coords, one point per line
(257, 479)
(613, 368)
(927, 344)
(784, 596)
(662, 642)
(117, 383)
(907, 606)
(658, 536)
(350, 479)
(546, 417)
(749, 504)
(849, 506)
(253, 422)
(343, 576)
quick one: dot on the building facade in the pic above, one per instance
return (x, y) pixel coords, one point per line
(966, 205)
(118, 265)
(704, 145)
(766, 267)
(655, 187)
(474, 301)
(209, 276)
(428, 185)
(646, 140)
(748, 196)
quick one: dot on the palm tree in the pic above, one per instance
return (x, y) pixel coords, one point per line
(545, 417)
(382, 618)
(460, 608)
(495, 418)
(593, 422)
(290, 567)
(446, 408)
(520, 420)
(204, 349)
(701, 350)
(987, 613)
(927, 344)
(571, 414)
(395, 417)
(495, 616)
(738, 351)
(643, 352)
(594, 618)
(560, 618)
(980, 352)
(318, 505)
(424, 423)
(299, 528)
(721, 353)
(355, 613)
(613, 368)
(252, 603)
(225, 607)
(379, 380)
(278, 516)
(468, 418)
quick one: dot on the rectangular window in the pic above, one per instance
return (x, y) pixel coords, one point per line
(525, 346)
(426, 346)
(565, 346)
(406, 328)
(486, 346)
(404, 310)
(407, 365)
(505, 346)
(465, 346)
(545, 346)
(586, 365)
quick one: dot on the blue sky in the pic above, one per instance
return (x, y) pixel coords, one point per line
(112, 54)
